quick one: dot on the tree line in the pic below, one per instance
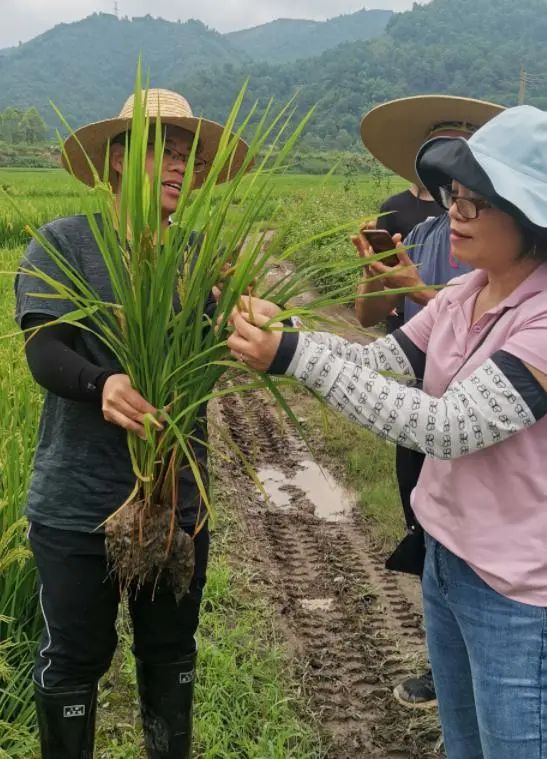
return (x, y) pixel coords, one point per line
(19, 126)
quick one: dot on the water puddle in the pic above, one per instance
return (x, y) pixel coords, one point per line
(330, 501)
(317, 604)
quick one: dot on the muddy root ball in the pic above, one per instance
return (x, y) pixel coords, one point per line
(137, 542)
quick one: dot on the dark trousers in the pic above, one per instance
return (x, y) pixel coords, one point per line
(79, 601)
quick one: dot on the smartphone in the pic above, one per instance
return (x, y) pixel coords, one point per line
(380, 241)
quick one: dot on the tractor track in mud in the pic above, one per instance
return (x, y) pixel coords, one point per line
(353, 630)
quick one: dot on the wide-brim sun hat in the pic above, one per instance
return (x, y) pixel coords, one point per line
(170, 108)
(394, 131)
(505, 162)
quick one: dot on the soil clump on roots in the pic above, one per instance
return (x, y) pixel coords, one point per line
(146, 544)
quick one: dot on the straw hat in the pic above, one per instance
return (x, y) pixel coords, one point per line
(394, 132)
(171, 108)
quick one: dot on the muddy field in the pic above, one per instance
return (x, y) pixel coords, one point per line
(354, 628)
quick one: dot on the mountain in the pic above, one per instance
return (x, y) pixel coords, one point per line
(288, 40)
(87, 68)
(473, 48)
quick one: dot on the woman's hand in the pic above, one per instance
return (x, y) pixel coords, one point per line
(252, 345)
(252, 305)
(405, 274)
(124, 406)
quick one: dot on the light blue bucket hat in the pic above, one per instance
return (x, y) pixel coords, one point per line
(505, 161)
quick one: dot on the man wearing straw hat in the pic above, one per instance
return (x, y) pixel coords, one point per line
(393, 133)
(82, 470)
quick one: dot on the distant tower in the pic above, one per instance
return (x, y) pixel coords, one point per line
(116, 9)
(522, 86)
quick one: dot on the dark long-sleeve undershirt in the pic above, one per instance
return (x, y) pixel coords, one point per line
(57, 366)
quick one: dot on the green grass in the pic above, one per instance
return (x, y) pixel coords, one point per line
(247, 704)
(40, 195)
(328, 205)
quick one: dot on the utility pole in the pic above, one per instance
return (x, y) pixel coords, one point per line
(522, 86)
(116, 9)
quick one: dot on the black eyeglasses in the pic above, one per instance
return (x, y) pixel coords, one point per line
(172, 155)
(468, 208)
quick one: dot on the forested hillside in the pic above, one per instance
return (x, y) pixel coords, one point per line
(88, 68)
(462, 47)
(288, 40)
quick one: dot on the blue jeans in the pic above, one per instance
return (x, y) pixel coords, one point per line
(489, 660)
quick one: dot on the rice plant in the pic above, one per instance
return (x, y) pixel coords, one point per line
(20, 618)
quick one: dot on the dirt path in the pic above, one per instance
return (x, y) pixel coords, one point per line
(353, 627)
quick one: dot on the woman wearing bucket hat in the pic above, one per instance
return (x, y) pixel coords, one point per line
(480, 419)
(82, 470)
(393, 133)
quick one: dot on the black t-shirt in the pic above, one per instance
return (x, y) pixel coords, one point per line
(407, 212)
(82, 469)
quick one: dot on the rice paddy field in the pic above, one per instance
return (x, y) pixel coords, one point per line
(252, 701)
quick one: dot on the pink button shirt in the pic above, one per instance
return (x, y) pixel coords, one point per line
(489, 507)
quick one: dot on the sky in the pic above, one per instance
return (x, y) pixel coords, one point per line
(20, 20)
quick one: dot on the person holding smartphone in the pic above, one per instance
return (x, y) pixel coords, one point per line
(399, 214)
(393, 133)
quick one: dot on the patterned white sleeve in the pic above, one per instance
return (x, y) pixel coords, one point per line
(382, 355)
(473, 414)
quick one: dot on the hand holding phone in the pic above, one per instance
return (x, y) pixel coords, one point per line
(381, 241)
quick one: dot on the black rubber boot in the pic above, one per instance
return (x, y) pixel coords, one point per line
(166, 693)
(66, 719)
